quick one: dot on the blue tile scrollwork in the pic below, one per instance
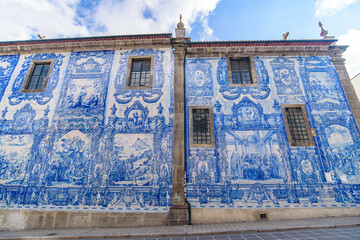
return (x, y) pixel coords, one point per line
(152, 95)
(100, 150)
(252, 164)
(87, 159)
(285, 76)
(261, 91)
(41, 98)
(7, 66)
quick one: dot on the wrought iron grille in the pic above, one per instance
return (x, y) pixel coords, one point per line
(296, 124)
(38, 76)
(140, 73)
(240, 71)
(201, 126)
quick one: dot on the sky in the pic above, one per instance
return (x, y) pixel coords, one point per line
(205, 20)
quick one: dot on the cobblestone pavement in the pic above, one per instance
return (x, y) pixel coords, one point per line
(317, 228)
(348, 233)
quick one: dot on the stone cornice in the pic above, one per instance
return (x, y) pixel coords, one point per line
(337, 50)
(86, 44)
(264, 51)
(262, 43)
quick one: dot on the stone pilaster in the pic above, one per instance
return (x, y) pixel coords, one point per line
(339, 64)
(179, 211)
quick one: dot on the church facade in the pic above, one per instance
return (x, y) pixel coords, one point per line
(153, 129)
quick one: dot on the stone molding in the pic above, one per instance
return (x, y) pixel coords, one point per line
(84, 46)
(236, 52)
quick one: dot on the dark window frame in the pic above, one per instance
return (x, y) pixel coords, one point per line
(131, 59)
(310, 131)
(253, 76)
(191, 128)
(29, 74)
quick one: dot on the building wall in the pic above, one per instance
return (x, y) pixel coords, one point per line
(87, 152)
(85, 143)
(252, 165)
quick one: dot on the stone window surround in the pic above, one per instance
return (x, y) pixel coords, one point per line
(310, 131)
(252, 72)
(212, 134)
(30, 72)
(128, 72)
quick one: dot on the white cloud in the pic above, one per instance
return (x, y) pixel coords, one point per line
(25, 19)
(352, 54)
(127, 17)
(331, 7)
(68, 18)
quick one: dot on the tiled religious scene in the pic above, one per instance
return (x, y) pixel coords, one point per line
(156, 129)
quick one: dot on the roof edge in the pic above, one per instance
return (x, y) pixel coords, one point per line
(274, 40)
(87, 39)
(296, 42)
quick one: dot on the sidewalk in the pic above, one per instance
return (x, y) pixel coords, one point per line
(189, 230)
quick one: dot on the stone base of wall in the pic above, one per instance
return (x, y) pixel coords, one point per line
(202, 215)
(179, 215)
(19, 219)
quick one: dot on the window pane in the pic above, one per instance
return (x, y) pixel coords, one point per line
(45, 69)
(234, 65)
(33, 82)
(146, 65)
(244, 65)
(38, 68)
(41, 81)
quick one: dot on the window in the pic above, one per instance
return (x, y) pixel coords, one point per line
(201, 126)
(297, 125)
(37, 77)
(241, 72)
(140, 72)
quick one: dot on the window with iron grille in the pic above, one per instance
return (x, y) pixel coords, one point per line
(240, 71)
(201, 127)
(297, 126)
(37, 76)
(140, 72)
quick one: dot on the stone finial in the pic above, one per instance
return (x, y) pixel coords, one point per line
(180, 31)
(285, 35)
(41, 37)
(180, 25)
(323, 33)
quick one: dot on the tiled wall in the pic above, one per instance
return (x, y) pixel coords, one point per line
(86, 143)
(252, 164)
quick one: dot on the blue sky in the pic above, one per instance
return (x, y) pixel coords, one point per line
(265, 19)
(204, 19)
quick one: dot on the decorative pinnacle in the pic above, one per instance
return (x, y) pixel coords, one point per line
(285, 35)
(41, 37)
(180, 25)
(323, 33)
